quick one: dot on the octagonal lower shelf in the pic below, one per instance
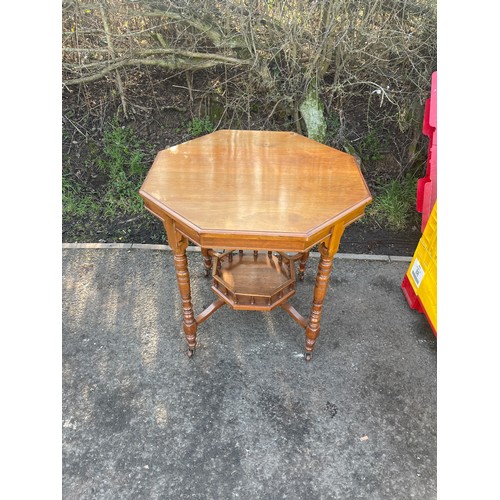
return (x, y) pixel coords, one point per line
(253, 281)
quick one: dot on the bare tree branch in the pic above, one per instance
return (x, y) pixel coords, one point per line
(273, 53)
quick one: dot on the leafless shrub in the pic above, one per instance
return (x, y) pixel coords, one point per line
(265, 57)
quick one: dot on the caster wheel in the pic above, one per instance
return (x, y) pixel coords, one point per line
(190, 353)
(300, 276)
(308, 356)
(206, 272)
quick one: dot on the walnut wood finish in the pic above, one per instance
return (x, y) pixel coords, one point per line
(207, 260)
(179, 244)
(302, 265)
(254, 282)
(255, 190)
(327, 251)
(294, 314)
(209, 311)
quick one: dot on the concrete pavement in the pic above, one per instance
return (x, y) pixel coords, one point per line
(246, 417)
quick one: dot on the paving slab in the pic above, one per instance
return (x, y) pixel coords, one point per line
(247, 417)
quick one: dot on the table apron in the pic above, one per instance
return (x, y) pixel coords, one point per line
(277, 243)
(248, 241)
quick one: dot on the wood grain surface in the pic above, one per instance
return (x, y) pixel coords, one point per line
(257, 190)
(254, 182)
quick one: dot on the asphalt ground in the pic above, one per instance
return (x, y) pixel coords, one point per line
(247, 417)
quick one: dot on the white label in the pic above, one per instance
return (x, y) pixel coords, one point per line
(417, 272)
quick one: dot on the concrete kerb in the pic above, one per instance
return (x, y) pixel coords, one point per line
(142, 246)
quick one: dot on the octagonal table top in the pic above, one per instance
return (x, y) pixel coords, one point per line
(260, 183)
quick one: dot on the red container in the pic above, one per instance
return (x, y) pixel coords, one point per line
(427, 186)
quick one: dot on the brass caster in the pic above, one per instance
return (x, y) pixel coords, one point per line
(190, 353)
(300, 276)
(308, 356)
(207, 272)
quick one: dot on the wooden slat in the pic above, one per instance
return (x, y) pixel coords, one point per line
(209, 311)
(294, 314)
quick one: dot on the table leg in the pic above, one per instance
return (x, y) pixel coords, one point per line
(179, 243)
(207, 260)
(302, 265)
(327, 251)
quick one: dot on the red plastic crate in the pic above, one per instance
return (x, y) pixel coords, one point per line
(427, 185)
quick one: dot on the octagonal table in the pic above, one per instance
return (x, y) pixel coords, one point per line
(256, 202)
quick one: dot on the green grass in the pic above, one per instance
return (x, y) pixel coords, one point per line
(200, 126)
(394, 206)
(370, 147)
(74, 201)
(121, 160)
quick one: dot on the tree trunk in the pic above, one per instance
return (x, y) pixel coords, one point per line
(312, 111)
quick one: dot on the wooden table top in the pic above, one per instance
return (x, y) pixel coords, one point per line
(255, 182)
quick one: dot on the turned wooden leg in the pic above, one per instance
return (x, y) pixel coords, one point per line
(207, 261)
(302, 265)
(313, 326)
(179, 244)
(188, 321)
(327, 251)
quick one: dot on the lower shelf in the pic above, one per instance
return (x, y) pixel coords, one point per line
(253, 281)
